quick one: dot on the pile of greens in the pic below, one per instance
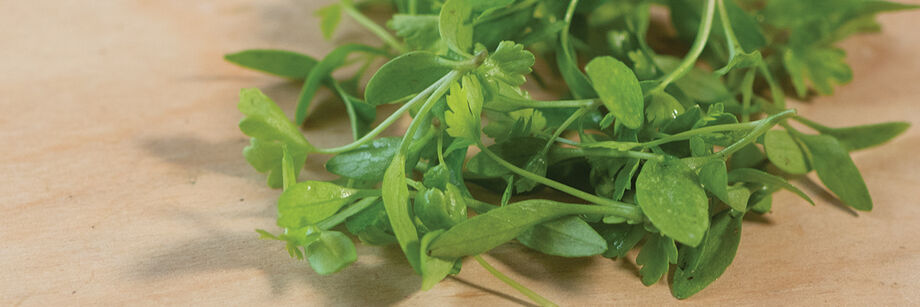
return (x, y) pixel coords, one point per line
(662, 146)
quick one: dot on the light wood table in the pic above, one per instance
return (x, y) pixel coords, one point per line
(123, 183)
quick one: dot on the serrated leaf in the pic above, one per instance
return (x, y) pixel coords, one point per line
(420, 32)
(269, 129)
(465, 103)
(509, 64)
(656, 254)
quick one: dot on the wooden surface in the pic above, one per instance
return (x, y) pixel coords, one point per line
(123, 181)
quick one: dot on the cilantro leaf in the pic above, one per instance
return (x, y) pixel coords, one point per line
(270, 129)
(463, 119)
(419, 31)
(509, 64)
(656, 254)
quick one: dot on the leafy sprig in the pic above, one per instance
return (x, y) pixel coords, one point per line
(653, 148)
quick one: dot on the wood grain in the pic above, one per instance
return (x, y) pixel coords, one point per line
(123, 182)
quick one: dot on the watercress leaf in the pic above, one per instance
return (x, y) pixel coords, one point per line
(455, 25)
(396, 202)
(403, 76)
(508, 64)
(699, 266)
(837, 171)
(465, 103)
(367, 162)
(332, 252)
(565, 237)
(420, 32)
(434, 269)
(310, 202)
(654, 258)
(621, 238)
(281, 63)
(322, 71)
(618, 89)
(863, 136)
(714, 178)
(490, 229)
(784, 152)
(269, 129)
(329, 18)
(758, 176)
(671, 197)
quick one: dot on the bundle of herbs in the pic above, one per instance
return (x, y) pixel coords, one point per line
(658, 152)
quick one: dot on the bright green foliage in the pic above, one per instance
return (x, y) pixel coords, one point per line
(619, 89)
(270, 129)
(655, 257)
(281, 63)
(658, 147)
(671, 197)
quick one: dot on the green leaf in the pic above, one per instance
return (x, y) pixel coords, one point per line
(784, 152)
(420, 32)
(860, 137)
(758, 176)
(747, 157)
(455, 25)
(662, 108)
(371, 225)
(618, 89)
(486, 231)
(269, 129)
(434, 269)
(837, 171)
(621, 238)
(396, 202)
(521, 123)
(329, 18)
(403, 76)
(322, 72)
(332, 252)
(281, 63)
(671, 197)
(465, 103)
(517, 151)
(699, 266)
(565, 237)
(738, 198)
(309, 202)
(288, 170)
(568, 68)
(367, 162)
(509, 64)
(822, 67)
(439, 209)
(714, 178)
(654, 258)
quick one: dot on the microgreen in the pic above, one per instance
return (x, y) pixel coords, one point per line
(657, 152)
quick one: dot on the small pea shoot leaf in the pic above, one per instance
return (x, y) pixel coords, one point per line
(565, 237)
(309, 202)
(332, 252)
(863, 136)
(404, 75)
(837, 171)
(396, 202)
(670, 195)
(329, 18)
(463, 119)
(714, 178)
(270, 129)
(618, 89)
(455, 25)
(656, 254)
(281, 63)
(784, 152)
(699, 266)
(758, 176)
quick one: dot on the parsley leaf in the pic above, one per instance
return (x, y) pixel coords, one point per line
(270, 129)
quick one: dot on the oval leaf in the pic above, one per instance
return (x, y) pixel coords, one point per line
(565, 237)
(403, 76)
(837, 171)
(785, 153)
(671, 197)
(618, 89)
(699, 266)
(367, 162)
(309, 202)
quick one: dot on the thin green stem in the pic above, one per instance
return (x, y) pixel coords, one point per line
(624, 210)
(340, 217)
(388, 121)
(426, 108)
(687, 134)
(441, 146)
(565, 125)
(374, 27)
(763, 126)
(729, 31)
(549, 104)
(747, 85)
(520, 288)
(702, 36)
(561, 153)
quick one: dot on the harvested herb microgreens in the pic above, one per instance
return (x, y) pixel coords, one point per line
(669, 151)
